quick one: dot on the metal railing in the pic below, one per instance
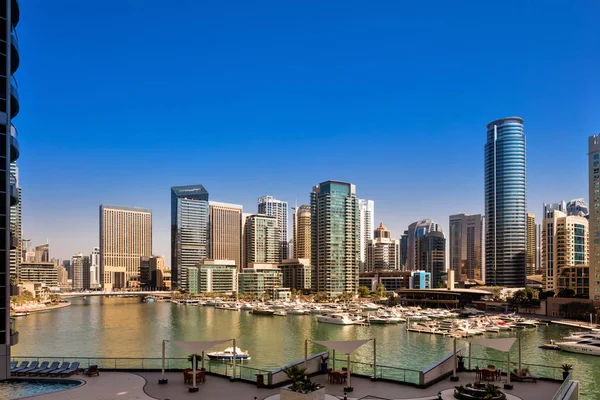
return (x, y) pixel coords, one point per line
(543, 371)
(397, 374)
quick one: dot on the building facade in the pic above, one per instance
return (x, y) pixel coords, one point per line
(125, 236)
(366, 209)
(268, 205)
(225, 232)
(565, 243)
(391, 280)
(505, 203)
(42, 253)
(44, 273)
(594, 216)
(261, 239)
(432, 256)
(189, 282)
(578, 207)
(189, 229)
(335, 237)
(218, 276)
(302, 232)
(530, 254)
(403, 251)
(81, 272)
(416, 231)
(16, 225)
(260, 279)
(420, 280)
(382, 251)
(296, 274)
(575, 277)
(466, 246)
(95, 278)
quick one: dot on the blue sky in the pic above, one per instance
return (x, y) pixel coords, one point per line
(122, 99)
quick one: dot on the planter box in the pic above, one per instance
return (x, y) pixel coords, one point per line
(286, 394)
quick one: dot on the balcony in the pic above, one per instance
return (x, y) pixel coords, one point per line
(14, 144)
(14, 97)
(14, 192)
(14, 241)
(15, 57)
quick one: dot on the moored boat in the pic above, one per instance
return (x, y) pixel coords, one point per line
(228, 354)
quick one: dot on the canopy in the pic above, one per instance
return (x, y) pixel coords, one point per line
(503, 345)
(344, 346)
(198, 347)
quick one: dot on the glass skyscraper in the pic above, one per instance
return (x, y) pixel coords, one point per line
(189, 230)
(505, 203)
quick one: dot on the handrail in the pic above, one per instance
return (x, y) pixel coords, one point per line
(562, 390)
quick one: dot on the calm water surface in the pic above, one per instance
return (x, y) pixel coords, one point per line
(113, 327)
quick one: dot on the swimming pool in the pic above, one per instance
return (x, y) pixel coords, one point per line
(19, 388)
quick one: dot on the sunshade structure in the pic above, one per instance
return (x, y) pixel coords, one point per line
(196, 348)
(346, 347)
(504, 345)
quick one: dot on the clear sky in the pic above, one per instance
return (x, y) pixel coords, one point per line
(122, 99)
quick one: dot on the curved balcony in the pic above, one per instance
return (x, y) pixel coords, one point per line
(14, 192)
(15, 11)
(15, 57)
(14, 144)
(14, 97)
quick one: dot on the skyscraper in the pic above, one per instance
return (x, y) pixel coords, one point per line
(505, 202)
(9, 194)
(466, 246)
(335, 237)
(125, 236)
(225, 232)
(95, 280)
(302, 232)
(403, 251)
(261, 239)
(578, 207)
(189, 229)
(16, 225)
(417, 230)
(81, 271)
(42, 253)
(594, 196)
(382, 251)
(432, 256)
(268, 205)
(530, 254)
(366, 209)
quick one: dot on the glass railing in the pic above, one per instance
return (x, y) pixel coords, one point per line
(543, 371)
(564, 388)
(383, 371)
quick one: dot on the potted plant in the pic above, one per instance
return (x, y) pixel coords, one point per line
(191, 360)
(301, 387)
(566, 370)
(461, 363)
(348, 389)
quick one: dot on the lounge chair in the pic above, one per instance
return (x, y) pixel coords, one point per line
(523, 378)
(13, 365)
(37, 370)
(72, 369)
(92, 371)
(51, 368)
(23, 365)
(31, 367)
(63, 367)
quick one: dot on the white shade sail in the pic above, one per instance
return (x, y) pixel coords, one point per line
(198, 347)
(344, 346)
(503, 345)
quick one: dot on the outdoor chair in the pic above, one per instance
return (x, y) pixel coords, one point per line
(514, 376)
(64, 366)
(23, 365)
(92, 371)
(37, 370)
(51, 368)
(73, 369)
(477, 373)
(13, 365)
(31, 367)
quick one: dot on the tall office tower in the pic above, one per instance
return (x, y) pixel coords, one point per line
(403, 251)
(9, 194)
(81, 272)
(42, 253)
(189, 229)
(15, 225)
(125, 236)
(335, 242)
(578, 207)
(466, 246)
(538, 250)
(417, 230)
(382, 251)
(594, 196)
(530, 254)
(268, 205)
(262, 239)
(302, 232)
(25, 244)
(432, 256)
(95, 280)
(565, 243)
(225, 232)
(67, 265)
(505, 202)
(152, 272)
(366, 213)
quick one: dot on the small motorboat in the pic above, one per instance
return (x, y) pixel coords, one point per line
(228, 354)
(550, 346)
(280, 313)
(20, 314)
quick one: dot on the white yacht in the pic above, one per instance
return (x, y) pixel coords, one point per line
(297, 311)
(582, 336)
(337, 319)
(588, 346)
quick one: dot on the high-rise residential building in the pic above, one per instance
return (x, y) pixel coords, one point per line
(302, 232)
(505, 203)
(81, 272)
(382, 251)
(125, 236)
(466, 246)
(366, 214)
(538, 250)
(62, 276)
(189, 229)
(260, 279)
(576, 278)
(432, 256)
(594, 197)
(403, 251)
(296, 274)
(152, 272)
(218, 276)
(578, 207)
(95, 279)
(9, 194)
(530, 254)
(15, 225)
(67, 265)
(565, 243)
(43, 273)
(262, 239)
(42, 253)
(335, 244)
(417, 230)
(225, 232)
(268, 205)
(25, 245)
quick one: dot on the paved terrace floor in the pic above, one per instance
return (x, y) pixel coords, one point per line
(144, 386)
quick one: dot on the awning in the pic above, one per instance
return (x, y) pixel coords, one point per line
(344, 346)
(503, 345)
(198, 347)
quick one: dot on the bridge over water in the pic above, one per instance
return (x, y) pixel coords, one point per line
(140, 293)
